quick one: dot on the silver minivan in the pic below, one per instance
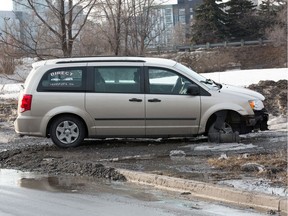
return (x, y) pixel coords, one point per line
(71, 99)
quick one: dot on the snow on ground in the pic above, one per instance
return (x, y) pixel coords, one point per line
(248, 77)
(278, 123)
(20, 74)
(224, 147)
(10, 91)
(257, 185)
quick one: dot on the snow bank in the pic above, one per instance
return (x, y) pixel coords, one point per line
(258, 185)
(248, 77)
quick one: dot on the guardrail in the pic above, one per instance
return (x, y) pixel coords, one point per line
(208, 45)
(223, 44)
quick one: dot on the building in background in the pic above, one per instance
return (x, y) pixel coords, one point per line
(19, 6)
(175, 21)
(163, 22)
(257, 2)
(6, 17)
(23, 14)
(183, 11)
(183, 15)
(30, 24)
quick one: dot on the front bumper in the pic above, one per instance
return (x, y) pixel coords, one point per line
(259, 120)
(261, 117)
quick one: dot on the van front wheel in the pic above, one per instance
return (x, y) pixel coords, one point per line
(67, 131)
(227, 128)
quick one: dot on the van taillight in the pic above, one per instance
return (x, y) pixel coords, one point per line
(26, 103)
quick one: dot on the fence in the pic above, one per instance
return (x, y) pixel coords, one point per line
(208, 45)
(223, 44)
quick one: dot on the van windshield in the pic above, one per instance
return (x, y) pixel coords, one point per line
(208, 82)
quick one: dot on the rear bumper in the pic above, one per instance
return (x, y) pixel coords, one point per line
(27, 125)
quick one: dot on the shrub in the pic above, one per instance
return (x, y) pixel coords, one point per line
(7, 65)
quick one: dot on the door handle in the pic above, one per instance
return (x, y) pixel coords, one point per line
(154, 100)
(135, 100)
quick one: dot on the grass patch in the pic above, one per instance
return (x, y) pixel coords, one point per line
(271, 166)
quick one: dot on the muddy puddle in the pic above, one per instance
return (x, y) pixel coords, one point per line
(73, 184)
(35, 181)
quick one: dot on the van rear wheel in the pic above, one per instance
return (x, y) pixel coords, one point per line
(67, 131)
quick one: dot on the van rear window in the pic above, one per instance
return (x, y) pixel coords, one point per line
(62, 79)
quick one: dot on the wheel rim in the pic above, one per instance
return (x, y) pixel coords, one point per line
(227, 128)
(67, 132)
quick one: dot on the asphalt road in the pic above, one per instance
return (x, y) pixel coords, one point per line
(34, 195)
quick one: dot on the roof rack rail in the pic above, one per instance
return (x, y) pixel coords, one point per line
(106, 60)
(104, 56)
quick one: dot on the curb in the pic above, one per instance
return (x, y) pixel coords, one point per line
(209, 191)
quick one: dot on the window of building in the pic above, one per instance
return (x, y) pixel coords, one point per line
(168, 19)
(182, 12)
(168, 11)
(182, 19)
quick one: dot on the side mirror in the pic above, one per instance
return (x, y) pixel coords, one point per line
(193, 90)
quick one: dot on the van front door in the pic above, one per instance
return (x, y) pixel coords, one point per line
(169, 109)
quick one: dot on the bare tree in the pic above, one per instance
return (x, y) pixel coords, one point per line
(146, 24)
(179, 34)
(50, 28)
(92, 41)
(128, 24)
(111, 21)
(278, 32)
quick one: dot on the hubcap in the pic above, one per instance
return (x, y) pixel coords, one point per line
(67, 132)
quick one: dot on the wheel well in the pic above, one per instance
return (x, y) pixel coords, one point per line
(210, 121)
(233, 118)
(65, 114)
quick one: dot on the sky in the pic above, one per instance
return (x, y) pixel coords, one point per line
(5, 4)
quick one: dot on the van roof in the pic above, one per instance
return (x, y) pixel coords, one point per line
(159, 61)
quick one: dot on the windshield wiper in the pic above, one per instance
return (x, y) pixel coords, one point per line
(211, 82)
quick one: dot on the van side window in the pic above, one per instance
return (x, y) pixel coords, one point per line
(164, 81)
(62, 79)
(117, 79)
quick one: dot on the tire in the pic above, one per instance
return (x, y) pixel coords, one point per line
(67, 131)
(227, 128)
(225, 135)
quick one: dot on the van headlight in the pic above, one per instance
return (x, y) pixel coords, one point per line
(256, 104)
